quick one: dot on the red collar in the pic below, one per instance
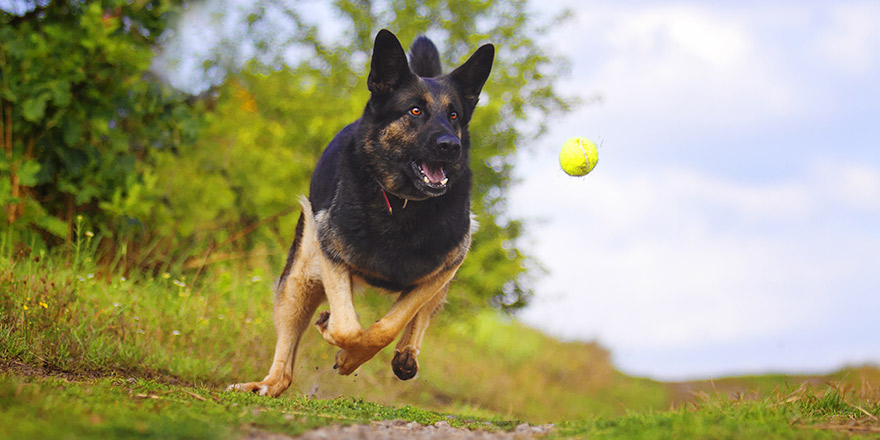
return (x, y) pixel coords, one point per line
(388, 202)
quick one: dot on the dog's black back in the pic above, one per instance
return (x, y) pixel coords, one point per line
(391, 192)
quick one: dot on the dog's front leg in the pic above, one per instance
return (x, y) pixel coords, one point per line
(383, 331)
(405, 363)
(340, 326)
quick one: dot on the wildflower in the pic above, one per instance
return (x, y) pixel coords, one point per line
(123, 279)
(116, 304)
(79, 218)
(179, 283)
(90, 234)
(255, 278)
(90, 276)
(24, 306)
(175, 332)
(44, 305)
(166, 275)
(81, 278)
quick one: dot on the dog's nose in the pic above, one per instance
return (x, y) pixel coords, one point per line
(449, 146)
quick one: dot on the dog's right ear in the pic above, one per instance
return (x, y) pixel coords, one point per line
(388, 68)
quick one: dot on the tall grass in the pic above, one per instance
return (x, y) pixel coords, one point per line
(63, 312)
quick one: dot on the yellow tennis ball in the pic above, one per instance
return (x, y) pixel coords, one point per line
(578, 156)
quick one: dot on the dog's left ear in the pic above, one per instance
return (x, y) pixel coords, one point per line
(388, 67)
(472, 75)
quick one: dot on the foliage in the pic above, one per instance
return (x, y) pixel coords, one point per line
(80, 116)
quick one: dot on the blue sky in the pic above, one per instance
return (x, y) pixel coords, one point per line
(732, 225)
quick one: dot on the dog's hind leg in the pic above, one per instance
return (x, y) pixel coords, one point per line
(293, 313)
(405, 363)
(297, 296)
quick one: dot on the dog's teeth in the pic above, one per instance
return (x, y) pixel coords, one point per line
(427, 180)
(443, 182)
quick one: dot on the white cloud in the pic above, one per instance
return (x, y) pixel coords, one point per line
(856, 185)
(851, 40)
(705, 66)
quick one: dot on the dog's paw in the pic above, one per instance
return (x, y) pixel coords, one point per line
(405, 364)
(323, 320)
(263, 388)
(345, 363)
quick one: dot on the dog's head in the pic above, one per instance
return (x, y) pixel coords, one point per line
(417, 145)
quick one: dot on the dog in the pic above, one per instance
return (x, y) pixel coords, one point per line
(388, 206)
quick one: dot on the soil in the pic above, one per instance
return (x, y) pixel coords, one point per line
(403, 430)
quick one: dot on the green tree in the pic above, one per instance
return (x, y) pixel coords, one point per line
(80, 114)
(274, 118)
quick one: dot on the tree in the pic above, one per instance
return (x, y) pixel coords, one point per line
(80, 115)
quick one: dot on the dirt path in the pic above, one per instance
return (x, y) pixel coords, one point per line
(403, 430)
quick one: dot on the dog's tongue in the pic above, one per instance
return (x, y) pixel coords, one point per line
(434, 172)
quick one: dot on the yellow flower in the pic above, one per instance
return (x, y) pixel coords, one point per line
(25, 306)
(90, 234)
(44, 305)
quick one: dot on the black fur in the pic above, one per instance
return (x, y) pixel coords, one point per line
(388, 149)
(424, 60)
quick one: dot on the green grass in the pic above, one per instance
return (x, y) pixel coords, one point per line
(74, 318)
(102, 355)
(144, 409)
(805, 413)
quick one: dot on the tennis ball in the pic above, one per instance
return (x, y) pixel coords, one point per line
(578, 156)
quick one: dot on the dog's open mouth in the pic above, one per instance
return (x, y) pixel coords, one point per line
(431, 174)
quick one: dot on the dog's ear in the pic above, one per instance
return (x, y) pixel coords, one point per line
(472, 75)
(388, 68)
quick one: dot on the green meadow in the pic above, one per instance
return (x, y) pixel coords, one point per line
(89, 353)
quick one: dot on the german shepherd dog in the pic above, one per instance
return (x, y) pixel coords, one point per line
(388, 206)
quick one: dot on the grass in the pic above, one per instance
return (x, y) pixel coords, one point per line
(805, 413)
(146, 356)
(75, 318)
(144, 409)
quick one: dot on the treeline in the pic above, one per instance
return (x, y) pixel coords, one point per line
(166, 178)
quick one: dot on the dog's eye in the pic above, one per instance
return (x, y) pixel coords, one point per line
(453, 116)
(415, 111)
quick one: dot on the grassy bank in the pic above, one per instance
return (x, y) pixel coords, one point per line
(147, 355)
(217, 329)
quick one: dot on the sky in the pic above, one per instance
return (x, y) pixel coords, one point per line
(732, 224)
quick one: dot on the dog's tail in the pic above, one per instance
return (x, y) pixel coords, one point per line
(424, 59)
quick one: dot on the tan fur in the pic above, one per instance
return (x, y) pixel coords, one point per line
(314, 278)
